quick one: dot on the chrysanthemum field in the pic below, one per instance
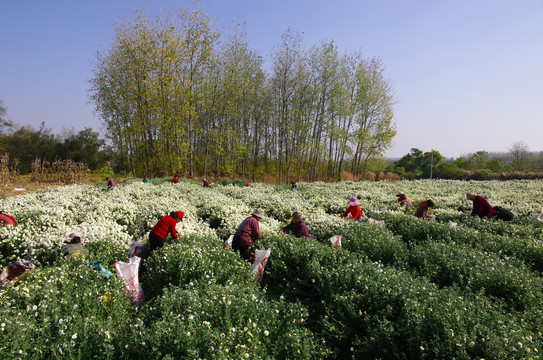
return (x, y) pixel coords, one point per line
(454, 287)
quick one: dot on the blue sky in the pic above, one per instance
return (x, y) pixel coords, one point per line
(467, 74)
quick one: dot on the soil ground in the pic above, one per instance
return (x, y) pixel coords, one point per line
(24, 182)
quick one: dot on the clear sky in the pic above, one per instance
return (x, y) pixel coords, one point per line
(467, 74)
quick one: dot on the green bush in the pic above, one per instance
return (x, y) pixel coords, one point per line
(197, 261)
(376, 242)
(366, 310)
(526, 245)
(222, 321)
(105, 171)
(67, 311)
(479, 272)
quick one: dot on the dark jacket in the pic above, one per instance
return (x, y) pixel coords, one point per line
(298, 229)
(505, 215)
(422, 210)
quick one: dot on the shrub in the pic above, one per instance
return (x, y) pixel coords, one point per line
(224, 321)
(67, 311)
(194, 260)
(480, 272)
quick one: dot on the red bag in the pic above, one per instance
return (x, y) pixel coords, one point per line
(15, 271)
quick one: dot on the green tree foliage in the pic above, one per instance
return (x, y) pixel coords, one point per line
(478, 160)
(3, 120)
(146, 89)
(85, 147)
(419, 164)
(478, 166)
(24, 144)
(174, 99)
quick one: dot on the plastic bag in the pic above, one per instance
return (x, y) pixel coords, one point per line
(538, 217)
(15, 271)
(229, 242)
(336, 240)
(261, 258)
(97, 265)
(135, 248)
(129, 273)
(376, 222)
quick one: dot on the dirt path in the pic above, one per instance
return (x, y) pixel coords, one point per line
(21, 182)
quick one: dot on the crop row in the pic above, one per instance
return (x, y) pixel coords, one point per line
(409, 289)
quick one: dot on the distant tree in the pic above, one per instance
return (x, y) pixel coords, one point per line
(519, 152)
(85, 147)
(519, 149)
(410, 163)
(3, 120)
(460, 163)
(495, 165)
(421, 164)
(24, 144)
(478, 160)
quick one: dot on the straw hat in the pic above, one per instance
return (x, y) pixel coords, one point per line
(259, 213)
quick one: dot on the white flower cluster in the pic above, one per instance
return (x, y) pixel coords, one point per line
(46, 218)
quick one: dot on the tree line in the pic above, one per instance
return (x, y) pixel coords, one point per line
(518, 162)
(176, 97)
(24, 144)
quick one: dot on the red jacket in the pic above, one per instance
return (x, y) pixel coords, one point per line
(249, 231)
(355, 211)
(5, 219)
(164, 226)
(481, 207)
(175, 180)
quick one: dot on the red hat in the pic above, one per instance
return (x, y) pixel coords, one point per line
(180, 214)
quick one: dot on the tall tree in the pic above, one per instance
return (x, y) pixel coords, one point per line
(324, 66)
(519, 152)
(172, 100)
(3, 120)
(287, 72)
(374, 113)
(145, 90)
(199, 38)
